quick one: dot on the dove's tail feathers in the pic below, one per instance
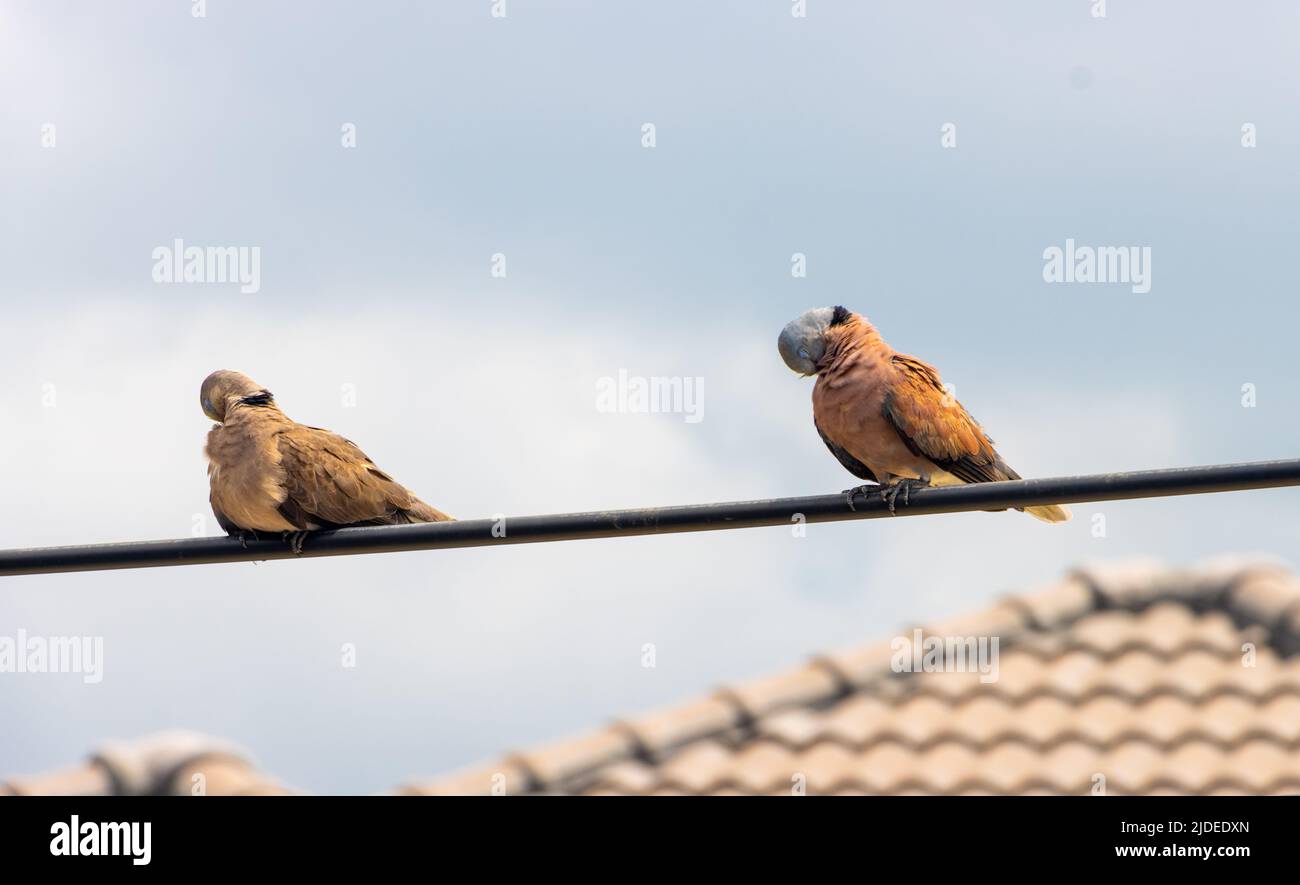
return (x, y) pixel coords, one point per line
(1050, 513)
(422, 512)
(417, 512)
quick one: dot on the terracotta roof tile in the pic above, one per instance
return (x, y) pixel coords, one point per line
(178, 763)
(1042, 721)
(947, 767)
(631, 776)
(88, 779)
(795, 728)
(831, 768)
(698, 767)
(1007, 619)
(919, 720)
(887, 767)
(506, 778)
(1286, 636)
(666, 729)
(764, 766)
(1059, 604)
(221, 775)
(1127, 584)
(807, 685)
(978, 721)
(1008, 767)
(861, 666)
(1218, 574)
(1261, 766)
(1266, 599)
(859, 720)
(562, 760)
(1069, 768)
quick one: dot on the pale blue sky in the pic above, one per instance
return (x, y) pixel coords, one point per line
(522, 136)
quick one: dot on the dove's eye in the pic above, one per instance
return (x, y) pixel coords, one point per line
(803, 353)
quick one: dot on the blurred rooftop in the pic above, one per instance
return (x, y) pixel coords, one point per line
(1124, 678)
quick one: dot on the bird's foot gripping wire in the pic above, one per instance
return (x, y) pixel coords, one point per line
(244, 535)
(850, 494)
(889, 493)
(294, 540)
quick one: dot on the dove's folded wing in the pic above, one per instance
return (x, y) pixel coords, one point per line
(331, 482)
(933, 424)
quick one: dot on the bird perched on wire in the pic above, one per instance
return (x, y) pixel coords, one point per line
(885, 415)
(268, 473)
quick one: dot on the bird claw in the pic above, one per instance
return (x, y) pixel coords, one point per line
(849, 494)
(889, 493)
(243, 537)
(295, 541)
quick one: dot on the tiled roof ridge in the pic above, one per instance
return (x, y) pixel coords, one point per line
(1253, 590)
(172, 762)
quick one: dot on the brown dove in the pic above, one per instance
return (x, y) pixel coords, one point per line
(268, 473)
(886, 415)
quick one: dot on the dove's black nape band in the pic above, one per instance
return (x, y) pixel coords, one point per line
(840, 315)
(261, 398)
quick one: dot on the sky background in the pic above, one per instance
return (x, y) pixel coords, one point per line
(522, 135)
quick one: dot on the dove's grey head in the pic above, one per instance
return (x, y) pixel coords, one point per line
(223, 386)
(803, 340)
